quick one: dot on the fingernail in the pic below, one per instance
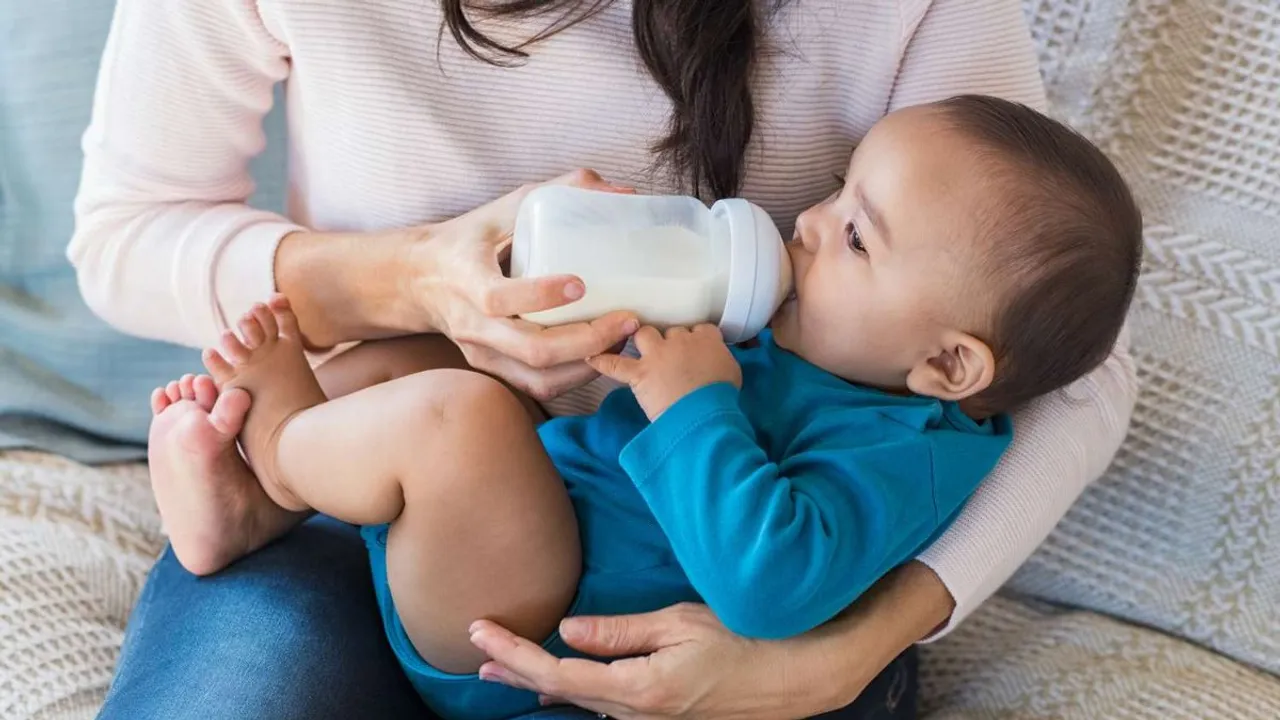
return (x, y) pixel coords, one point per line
(631, 327)
(475, 628)
(573, 291)
(570, 629)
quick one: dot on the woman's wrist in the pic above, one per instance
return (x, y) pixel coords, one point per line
(903, 608)
(348, 286)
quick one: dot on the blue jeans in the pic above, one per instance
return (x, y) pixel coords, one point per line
(293, 631)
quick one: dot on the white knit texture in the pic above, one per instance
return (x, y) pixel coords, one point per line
(1183, 533)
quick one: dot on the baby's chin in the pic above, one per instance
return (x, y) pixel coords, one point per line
(783, 326)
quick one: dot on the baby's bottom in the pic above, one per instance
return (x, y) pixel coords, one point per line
(437, 454)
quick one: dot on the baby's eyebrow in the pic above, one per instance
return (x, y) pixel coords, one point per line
(873, 213)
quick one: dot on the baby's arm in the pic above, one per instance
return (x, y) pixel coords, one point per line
(778, 549)
(774, 549)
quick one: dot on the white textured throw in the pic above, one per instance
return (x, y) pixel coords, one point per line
(1182, 535)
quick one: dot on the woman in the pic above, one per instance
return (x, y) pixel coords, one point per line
(404, 114)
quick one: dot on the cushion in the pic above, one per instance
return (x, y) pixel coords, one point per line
(1183, 533)
(68, 382)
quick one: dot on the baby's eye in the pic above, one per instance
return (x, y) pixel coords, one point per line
(854, 238)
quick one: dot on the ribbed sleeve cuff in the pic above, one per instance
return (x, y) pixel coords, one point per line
(244, 270)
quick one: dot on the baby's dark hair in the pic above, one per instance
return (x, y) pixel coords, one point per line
(1065, 241)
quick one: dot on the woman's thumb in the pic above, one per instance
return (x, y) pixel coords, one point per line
(618, 635)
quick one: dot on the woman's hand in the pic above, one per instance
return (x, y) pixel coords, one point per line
(689, 666)
(682, 663)
(466, 296)
(447, 278)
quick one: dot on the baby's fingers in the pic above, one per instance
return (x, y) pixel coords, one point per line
(619, 367)
(647, 339)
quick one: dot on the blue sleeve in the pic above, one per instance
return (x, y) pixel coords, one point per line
(776, 549)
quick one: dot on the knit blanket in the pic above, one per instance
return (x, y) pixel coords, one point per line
(1173, 557)
(1183, 533)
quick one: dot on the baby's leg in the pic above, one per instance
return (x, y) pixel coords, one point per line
(211, 504)
(378, 361)
(481, 524)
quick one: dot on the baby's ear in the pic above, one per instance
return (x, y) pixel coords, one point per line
(963, 367)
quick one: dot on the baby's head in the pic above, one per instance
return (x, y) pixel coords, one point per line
(978, 251)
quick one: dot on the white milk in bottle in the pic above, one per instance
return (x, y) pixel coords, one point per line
(671, 260)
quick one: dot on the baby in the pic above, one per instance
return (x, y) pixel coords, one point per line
(979, 255)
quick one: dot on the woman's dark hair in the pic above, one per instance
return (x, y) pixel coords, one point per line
(700, 52)
(1065, 239)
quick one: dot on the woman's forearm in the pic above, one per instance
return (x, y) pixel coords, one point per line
(349, 286)
(846, 654)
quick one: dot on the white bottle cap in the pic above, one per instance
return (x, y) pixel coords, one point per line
(759, 269)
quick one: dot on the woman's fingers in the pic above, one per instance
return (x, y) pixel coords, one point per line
(540, 347)
(618, 635)
(619, 367)
(500, 213)
(496, 672)
(571, 678)
(648, 339)
(507, 297)
(590, 180)
(540, 384)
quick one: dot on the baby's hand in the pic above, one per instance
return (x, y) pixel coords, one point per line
(670, 368)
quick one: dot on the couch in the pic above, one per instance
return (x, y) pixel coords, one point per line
(1157, 597)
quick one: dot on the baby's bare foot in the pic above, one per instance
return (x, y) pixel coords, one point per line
(268, 362)
(211, 505)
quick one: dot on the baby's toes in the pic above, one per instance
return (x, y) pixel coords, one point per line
(233, 351)
(159, 401)
(285, 318)
(267, 320)
(252, 331)
(185, 387)
(173, 391)
(227, 415)
(217, 366)
(206, 392)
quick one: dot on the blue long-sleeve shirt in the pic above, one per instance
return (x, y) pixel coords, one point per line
(785, 500)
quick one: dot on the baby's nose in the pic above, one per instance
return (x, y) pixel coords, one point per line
(805, 236)
(805, 240)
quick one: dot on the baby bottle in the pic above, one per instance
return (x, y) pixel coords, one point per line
(671, 260)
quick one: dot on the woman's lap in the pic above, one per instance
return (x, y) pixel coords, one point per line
(293, 631)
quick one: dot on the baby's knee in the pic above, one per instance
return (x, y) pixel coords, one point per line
(462, 418)
(455, 399)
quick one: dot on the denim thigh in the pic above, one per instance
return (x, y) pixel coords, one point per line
(291, 631)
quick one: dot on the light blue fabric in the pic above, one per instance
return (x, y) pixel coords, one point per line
(68, 382)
